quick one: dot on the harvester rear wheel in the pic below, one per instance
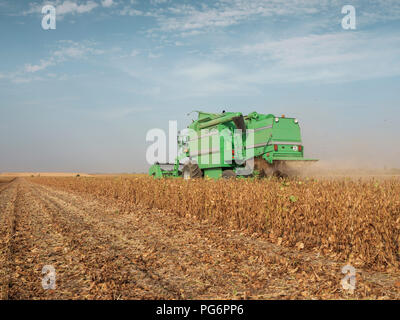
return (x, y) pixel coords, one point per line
(280, 174)
(228, 174)
(191, 170)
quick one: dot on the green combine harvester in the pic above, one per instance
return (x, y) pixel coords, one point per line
(229, 145)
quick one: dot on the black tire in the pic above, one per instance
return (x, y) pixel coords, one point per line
(280, 174)
(191, 170)
(228, 174)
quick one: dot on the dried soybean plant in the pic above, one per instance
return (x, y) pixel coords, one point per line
(345, 219)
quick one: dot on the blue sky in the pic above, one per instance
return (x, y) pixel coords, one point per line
(83, 96)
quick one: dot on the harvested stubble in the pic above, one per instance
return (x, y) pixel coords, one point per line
(357, 221)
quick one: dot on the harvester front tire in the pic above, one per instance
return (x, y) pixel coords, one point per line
(191, 170)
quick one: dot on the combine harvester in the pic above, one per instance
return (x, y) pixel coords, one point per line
(230, 145)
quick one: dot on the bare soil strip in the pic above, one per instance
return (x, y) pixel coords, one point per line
(8, 194)
(99, 253)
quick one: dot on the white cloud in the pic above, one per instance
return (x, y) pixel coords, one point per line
(337, 57)
(107, 3)
(64, 7)
(183, 17)
(127, 11)
(378, 12)
(304, 51)
(76, 50)
(42, 65)
(73, 7)
(65, 51)
(191, 33)
(322, 49)
(156, 2)
(250, 69)
(192, 18)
